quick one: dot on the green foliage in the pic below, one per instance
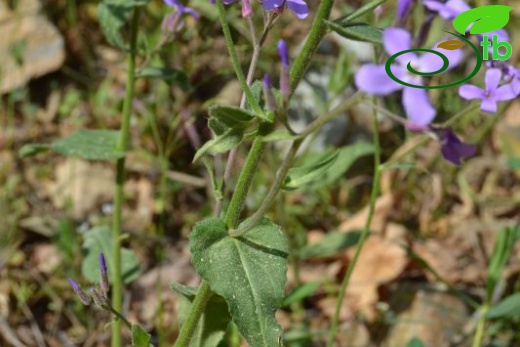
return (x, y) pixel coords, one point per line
(86, 144)
(501, 253)
(331, 244)
(99, 240)
(301, 293)
(357, 31)
(507, 308)
(228, 124)
(140, 338)
(213, 322)
(346, 157)
(171, 76)
(415, 342)
(248, 271)
(301, 176)
(113, 14)
(367, 8)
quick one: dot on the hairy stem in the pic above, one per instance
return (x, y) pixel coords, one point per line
(317, 31)
(199, 303)
(117, 288)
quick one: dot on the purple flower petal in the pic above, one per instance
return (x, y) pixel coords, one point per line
(299, 8)
(272, 4)
(454, 150)
(430, 62)
(505, 93)
(373, 79)
(489, 105)
(469, 92)
(493, 77)
(417, 106)
(396, 40)
(448, 10)
(402, 8)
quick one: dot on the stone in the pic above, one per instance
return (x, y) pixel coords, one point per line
(31, 46)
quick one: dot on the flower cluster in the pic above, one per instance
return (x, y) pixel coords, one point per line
(298, 7)
(99, 293)
(502, 81)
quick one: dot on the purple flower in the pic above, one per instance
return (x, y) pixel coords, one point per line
(448, 10)
(402, 8)
(284, 75)
(492, 93)
(174, 22)
(373, 79)
(453, 149)
(298, 7)
(84, 297)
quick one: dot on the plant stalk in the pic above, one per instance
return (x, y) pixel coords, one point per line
(317, 31)
(364, 234)
(117, 287)
(479, 332)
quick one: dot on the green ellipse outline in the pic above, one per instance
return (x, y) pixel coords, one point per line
(478, 65)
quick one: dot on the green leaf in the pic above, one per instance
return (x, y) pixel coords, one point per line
(99, 240)
(172, 76)
(33, 149)
(213, 322)
(346, 157)
(501, 253)
(140, 338)
(221, 144)
(358, 31)
(231, 116)
(486, 19)
(248, 271)
(301, 176)
(507, 308)
(90, 144)
(301, 293)
(86, 144)
(112, 15)
(415, 342)
(331, 244)
(360, 11)
(257, 89)
(279, 135)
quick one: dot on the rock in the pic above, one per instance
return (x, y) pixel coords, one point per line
(30, 47)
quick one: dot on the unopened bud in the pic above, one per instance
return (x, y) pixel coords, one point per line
(104, 276)
(84, 297)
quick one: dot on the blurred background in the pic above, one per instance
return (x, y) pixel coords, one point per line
(422, 273)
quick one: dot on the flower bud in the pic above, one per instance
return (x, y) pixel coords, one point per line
(84, 297)
(104, 276)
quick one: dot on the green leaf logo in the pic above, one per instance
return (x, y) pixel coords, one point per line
(486, 19)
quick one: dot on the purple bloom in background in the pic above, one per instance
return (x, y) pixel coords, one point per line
(174, 22)
(492, 94)
(299, 7)
(373, 79)
(453, 149)
(84, 297)
(403, 6)
(448, 10)
(247, 10)
(284, 75)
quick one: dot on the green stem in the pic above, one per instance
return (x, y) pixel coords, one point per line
(199, 303)
(117, 288)
(317, 31)
(271, 195)
(479, 333)
(234, 59)
(246, 177)
(364, 234)
(118, 315)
